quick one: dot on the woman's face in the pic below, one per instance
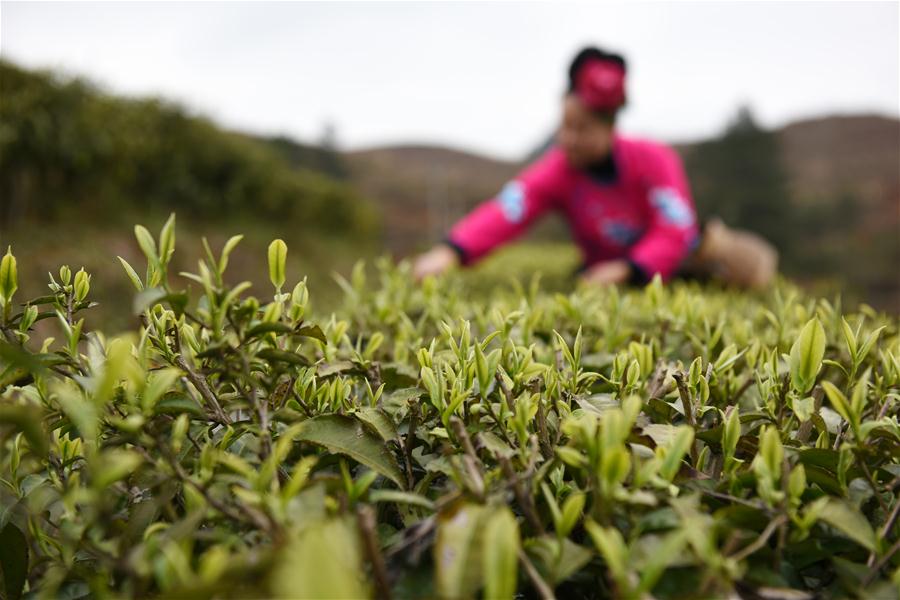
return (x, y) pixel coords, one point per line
(583, 137)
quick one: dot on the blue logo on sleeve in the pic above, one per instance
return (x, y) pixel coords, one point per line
(672, 207)
(620, 232)
(512, 201)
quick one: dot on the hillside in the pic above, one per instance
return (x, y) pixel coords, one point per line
(422, 190)
(857, 156)
(78, 165)
(70, 148)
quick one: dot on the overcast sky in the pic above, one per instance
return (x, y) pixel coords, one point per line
(479, 76)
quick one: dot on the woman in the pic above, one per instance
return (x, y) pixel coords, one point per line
(627, 201)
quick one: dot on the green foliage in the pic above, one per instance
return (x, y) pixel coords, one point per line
(67, 149)
(417, 442)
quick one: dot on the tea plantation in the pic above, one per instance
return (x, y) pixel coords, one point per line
(419, 441)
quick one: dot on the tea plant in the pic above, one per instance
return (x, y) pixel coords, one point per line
(669, 442)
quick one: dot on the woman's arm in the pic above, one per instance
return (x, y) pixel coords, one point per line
(672, 232)
(502, 218)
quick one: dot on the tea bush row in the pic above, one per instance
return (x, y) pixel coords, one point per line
(667, 442)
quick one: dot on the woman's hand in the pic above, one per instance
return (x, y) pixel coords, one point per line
(435, 262)
(609, 272)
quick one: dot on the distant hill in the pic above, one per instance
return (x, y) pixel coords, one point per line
(422, 190)
(851, 166)
(71, 149)
(304, 156)
(857, 156)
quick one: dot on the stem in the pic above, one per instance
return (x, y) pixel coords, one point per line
(365, 516)
(740, 391)
(410, 441)
(507, 394)
(203, 387)
(873, 485)
(543, 589)
(526, 502)
(546, 447)
(657, 380)
(223, 508)
(806, 427)
(470, 459)
(685, 395)
(734, 499)
(261, 404)
(500, 428)
(873, 572)
(69, 308)
(686, 403)
(884, 409)
(782, 396)
(761, 540)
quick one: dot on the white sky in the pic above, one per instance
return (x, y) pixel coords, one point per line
(480, 76)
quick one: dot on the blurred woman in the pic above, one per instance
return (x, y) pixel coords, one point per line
(627, 201)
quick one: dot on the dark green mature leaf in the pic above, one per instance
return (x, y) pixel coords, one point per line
(13, 561)
(845, 517)
(379, 422)
(398, 376)
(347, 436)
(557, 560)
(264, 328)
(283, 356)
(404, 395)
(312, 331)
(157, 295)
(175, 403)
(340, 367)
(36, 364)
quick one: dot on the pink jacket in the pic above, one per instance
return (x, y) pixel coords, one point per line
(639, 209)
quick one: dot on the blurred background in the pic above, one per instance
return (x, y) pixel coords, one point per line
(356, 129)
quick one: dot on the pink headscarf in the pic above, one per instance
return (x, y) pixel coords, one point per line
(601, 84)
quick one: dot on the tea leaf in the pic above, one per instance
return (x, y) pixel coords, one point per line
(806, 356)
(9, 279)
(612, 547)
(323, 561)
(458, 550)
(277, 259)
(147, 244)
(501, 547)
(847, 518)
(347, 436)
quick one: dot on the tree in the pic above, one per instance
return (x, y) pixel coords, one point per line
(739, 177)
